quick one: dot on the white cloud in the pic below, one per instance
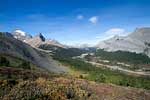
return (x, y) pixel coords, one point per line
(115, 31)
(93, 19)
(112, 32)
(80, 17)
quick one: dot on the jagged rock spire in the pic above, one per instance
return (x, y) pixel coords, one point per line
(40, 35)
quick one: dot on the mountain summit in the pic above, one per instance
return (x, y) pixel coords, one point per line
(21, 35)
(137, 41)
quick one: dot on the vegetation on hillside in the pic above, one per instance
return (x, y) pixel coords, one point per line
(11, 61)
(63, 52)
(4, 61)
(103, 75)
(20, 79)
(42, 89)
(123, 56)
(68, 89)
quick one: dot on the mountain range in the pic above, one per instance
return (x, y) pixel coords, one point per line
(33, 67)
(137, 41)
(35, 41)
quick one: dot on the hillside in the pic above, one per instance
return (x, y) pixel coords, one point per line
(30, 73)
(19, 49)
(74, 50)
(73, 89)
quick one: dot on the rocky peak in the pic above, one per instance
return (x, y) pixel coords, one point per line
(19, 32)
(21, 35)
(40, 35)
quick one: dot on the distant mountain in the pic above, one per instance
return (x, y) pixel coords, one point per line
(137, 41)
(39, 39)
(21, 35)
(36, 40)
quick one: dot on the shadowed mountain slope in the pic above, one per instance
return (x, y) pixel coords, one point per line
(14, 47)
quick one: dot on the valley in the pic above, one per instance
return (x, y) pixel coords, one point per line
(74, 50)
(57, 72)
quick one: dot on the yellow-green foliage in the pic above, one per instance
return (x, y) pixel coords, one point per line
(42, 89)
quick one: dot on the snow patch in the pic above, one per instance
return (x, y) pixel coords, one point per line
(20, 32)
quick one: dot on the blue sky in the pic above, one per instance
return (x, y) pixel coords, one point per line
(75, 21)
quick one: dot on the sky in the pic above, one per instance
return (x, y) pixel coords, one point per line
(75, 22)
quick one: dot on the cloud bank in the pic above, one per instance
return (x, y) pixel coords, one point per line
(115, 31)
(112, 32)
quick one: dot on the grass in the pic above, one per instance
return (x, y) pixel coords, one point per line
(106, 75)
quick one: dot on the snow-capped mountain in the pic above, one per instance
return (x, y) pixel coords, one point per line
(21, 35)
(137, 41)
(36, 40)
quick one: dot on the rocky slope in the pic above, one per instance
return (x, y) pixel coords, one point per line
(19, 49)
(137, 41)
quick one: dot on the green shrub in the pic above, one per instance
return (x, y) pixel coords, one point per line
(100, 78)
(4, 61)
(25, 65)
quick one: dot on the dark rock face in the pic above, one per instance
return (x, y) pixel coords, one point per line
(41, 37)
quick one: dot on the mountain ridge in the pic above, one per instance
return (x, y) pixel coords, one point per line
(35, 41)
(137, 41)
